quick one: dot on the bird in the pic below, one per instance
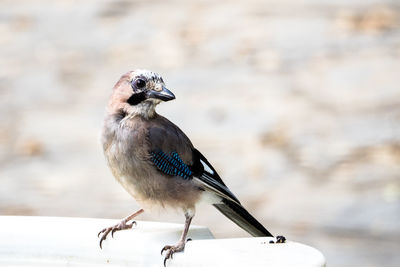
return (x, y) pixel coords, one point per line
(156, 162)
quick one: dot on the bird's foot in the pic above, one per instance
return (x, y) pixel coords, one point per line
(178, 247)
(123, 225)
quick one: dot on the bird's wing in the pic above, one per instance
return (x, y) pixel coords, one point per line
(229, 205)
(201, 171)
(205, 173)
(173, 154)
(171, 164)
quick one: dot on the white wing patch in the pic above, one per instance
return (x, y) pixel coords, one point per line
(206, 167)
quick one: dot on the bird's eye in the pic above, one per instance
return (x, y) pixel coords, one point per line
(140, 83)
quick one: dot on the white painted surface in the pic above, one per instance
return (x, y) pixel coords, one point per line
(55, 241)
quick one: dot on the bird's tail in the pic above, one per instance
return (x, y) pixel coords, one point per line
(242, 218)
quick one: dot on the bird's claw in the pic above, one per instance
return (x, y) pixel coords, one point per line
(105, 232)
(170, 253)
(164, 249)
(118, 227)
(171, 250)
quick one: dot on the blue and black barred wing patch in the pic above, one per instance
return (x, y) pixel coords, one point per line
(171, 164)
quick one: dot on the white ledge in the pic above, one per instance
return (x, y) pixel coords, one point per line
(55, 241)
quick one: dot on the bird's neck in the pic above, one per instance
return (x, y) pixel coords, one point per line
(145, 109)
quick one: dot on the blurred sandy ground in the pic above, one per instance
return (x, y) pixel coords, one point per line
(296, 103)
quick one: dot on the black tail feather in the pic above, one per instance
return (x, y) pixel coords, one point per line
(242, 218)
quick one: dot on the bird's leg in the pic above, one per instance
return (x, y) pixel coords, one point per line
(182, 241)
(122, 225)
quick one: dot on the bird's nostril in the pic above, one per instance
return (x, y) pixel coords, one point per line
(158, 88)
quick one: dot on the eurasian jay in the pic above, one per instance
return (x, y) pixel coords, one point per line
(157, 163)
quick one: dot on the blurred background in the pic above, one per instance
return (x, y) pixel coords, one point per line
(296, 104)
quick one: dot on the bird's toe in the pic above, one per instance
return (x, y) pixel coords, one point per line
(171, 250)
(118, 227)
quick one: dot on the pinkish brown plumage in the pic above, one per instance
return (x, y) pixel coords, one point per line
(157, 163)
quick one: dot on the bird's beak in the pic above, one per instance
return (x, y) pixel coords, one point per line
(164, 94)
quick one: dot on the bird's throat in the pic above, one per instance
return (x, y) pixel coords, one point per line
(145, 109)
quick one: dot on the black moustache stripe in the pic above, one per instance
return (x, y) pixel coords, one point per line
(136, 98)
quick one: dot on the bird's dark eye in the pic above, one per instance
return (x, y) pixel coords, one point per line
(140, 83)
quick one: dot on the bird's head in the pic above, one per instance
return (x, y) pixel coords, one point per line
(138, 92)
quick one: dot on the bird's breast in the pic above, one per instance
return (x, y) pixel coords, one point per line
(130, 165)
(127, 149)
